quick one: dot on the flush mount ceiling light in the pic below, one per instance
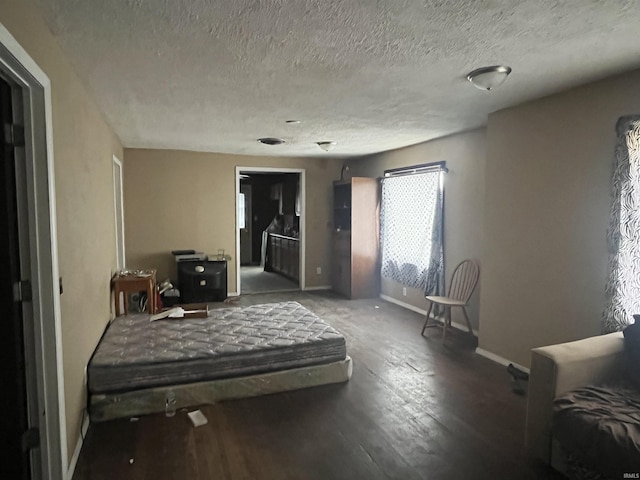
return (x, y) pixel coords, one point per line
(326, 146)
(488, 78)
(271, 141)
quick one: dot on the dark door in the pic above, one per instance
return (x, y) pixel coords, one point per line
(13, 401)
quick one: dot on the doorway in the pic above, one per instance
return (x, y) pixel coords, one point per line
(270, 229)
(12, 347)
(34, 410)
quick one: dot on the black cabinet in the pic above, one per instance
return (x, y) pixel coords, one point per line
(202, 281)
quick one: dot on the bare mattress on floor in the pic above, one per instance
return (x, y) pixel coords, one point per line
(136, 353)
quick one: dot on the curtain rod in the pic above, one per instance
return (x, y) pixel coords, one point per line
(423, 168)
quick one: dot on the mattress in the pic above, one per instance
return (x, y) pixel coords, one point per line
(136, 353)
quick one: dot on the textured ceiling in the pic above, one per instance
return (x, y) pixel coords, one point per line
(215, 75)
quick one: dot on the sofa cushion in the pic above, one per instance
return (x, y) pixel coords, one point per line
(601, 427)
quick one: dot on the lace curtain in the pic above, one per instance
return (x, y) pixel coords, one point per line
(623, 235)
(411, 230)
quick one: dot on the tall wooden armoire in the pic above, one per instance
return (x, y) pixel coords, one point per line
(355, 267)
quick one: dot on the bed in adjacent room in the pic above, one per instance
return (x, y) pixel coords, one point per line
(232, 353)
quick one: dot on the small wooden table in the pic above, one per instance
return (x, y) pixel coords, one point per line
(133, 283)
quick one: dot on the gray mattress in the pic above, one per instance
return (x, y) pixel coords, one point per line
(136, 353)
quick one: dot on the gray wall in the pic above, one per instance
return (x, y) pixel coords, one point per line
(464, 202)
(177, 199)
(546, 213)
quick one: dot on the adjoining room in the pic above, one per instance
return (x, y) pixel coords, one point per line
(269, 219)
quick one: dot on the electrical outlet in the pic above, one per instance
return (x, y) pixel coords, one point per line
(319, 270)
(404, 291)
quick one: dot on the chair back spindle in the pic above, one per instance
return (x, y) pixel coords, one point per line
(464, 281)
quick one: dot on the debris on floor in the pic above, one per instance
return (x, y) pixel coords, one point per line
(197, 418)
(518, 376)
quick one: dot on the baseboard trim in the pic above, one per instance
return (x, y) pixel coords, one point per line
(76, 452)
(422, 311)
(319, 287)
(408, 306)
(498, 359)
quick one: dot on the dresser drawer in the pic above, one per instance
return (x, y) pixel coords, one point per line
(202, 281)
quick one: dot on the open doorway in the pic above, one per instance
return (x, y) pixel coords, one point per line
(270, 229)
(35, 444)
(15, 343)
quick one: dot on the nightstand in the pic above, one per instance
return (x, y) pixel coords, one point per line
(134, 282)
(202, 280)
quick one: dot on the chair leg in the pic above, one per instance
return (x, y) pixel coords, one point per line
(427, 319)
(446, 322)
(466, 317)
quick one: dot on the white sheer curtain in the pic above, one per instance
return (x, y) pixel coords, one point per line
(411, 230)
(623, 236)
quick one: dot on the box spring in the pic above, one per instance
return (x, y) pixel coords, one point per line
(137, 354)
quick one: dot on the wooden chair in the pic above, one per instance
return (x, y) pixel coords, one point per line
(463, 283)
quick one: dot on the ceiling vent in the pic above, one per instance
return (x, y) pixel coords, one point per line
(326, 145)
(271, 141)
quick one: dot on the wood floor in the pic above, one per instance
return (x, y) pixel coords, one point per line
(413, 409)
(253, 279)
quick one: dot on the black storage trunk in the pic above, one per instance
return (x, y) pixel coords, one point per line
(202, 280)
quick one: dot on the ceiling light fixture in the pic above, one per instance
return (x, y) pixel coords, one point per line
(488, 78)
(271, 141)
(326, 146)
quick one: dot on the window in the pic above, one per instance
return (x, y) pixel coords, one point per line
(241, 211)
(411, 227)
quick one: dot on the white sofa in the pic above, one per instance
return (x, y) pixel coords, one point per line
(557, 369)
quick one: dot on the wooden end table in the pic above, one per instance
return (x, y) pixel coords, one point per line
(132, 283)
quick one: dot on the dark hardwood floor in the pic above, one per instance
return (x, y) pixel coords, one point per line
(413, 409)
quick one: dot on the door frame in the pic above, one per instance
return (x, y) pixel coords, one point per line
(35, 87)
(248, 220)
(118, 207)
(303, 216)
